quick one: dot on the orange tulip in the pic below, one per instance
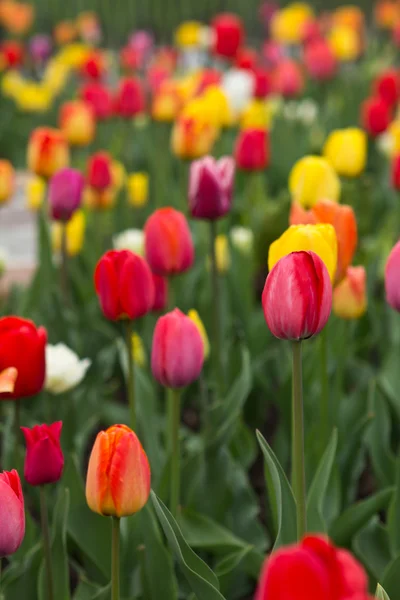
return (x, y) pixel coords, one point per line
(8, 377)
(343, 219)
(16, 17)
(77, 122)
(192, 137)
(349, 296)
(118, 478)
(47, 151)
(65, 32)
(7, 180)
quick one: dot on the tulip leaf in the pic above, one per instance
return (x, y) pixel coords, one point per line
(380, 593)
(378, 440)
(391, 578)
(281, 496)
(372, 546)
(20, 580)
(201, 579)
(394, 515)
(316, 496)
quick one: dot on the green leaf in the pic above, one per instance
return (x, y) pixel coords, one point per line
(20, 581)
(372, 546)
(355, 517)
(380, 593)
(280, 495)
(201, 579)
(378, 440)
(316, 496)
(394, 515)
(391, 578)
(231, 561)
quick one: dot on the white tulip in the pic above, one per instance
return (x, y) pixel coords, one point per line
(130, 239)
(242, 239)
(64, 370)
(238, 86)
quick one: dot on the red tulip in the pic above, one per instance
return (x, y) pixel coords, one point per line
(124, 285)
(44, 460)
(17, 334)
(93, 67)
(168, 242)
(246, 58)
(288, 79)
(211, 187)
(262, 83)
(99, 174)
(395, 179)
(178, 350)
(320, 60)
(375, 115)
(387, 87)
(130, 99)
(65, 193)
(311, 31)
(99, 98)
(12, 53)
(228, 33)
(160, 293)
(252, 149)
(12, 513)
(392, 278)
(312, 570)
(297, 297)
(207, 78)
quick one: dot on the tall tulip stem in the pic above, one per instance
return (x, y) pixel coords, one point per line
(131, 373)
(64, 262)
(299, 479)
(46, 542)
(216, 300)
(324, 403)
(175, 399)
(115, 559)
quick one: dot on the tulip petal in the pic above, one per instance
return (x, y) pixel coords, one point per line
(8, 377)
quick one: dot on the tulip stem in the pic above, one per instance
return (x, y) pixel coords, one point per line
(324, 415)
(299, 479)
(115, 559)
(46, 541)
(64, 261)
(175, 399)
(216, 299)
(131, 374)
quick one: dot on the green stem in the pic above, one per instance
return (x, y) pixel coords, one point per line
(299, 479)
(115, 559)
(340, 370)
(64, 263)
(324, 414)
(46, 542)
(131, 373)
(215, 286)
(175, 400)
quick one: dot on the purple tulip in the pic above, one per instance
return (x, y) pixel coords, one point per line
(65, 193)
(211, 187)
(40, 47)
(392, 278)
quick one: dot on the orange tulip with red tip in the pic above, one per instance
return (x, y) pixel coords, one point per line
(47, 151)
(252, 149)
(349, 296)
(93, 67)
(77, 122)
(118, 477)
(12, 513)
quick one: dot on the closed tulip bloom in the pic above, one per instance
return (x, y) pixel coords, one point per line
(12, 513)
(177, 351)
(138, 189)
(100, 99)
(44, 460)
(77, 122)
(252, 150)
(35, 192)
(118, 477)
(320, 61)
(311, 179)
(228, 35)
(130, 99)
(392, 278)
(47, 151)
(262, 83)
(65, 193)
(349, 296)
(17, 333)
(7, 180)
(168, 242)
(99, 173)
(288, 79)
(75, 230)
(297, 297)
(375, 116)
(313, 569)
(8, 377)
(211, 187)
(320, 239)
(93, 66)
(193, 137)
(124, 285)
(160, 293)
(387, 87)
(346, 150)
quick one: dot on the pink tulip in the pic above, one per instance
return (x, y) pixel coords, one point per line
(65, 193)
(12, 514)
(392, 278)
(211, 187)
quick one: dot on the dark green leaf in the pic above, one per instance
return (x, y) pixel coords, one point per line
(394, 515)
(372, 546)
(391, 578)
(316, 496)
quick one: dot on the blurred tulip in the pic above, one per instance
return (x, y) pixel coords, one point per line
(138, 189)
(98, 199)
(297, 297)
(272, 52)
(130, 99)
(75, 231)
(168, 242)
(40, 47)
(242, 239)
(312, 178)
(65, 32)
(7, 180)
(211, 187)
(257, 115)
(17, 17)
(44, 461)
(375, 116)
(386, 13)
(188, 34)
(64, 370)
(238, 86)
(137, 351)
(65, 193)
(160, 293)
(100, 99)
(118, 477)
(35, 192)
(349, 16)
(177, 350)
(77, 122)
(387, 87)
(395, 172)
(262, 83)
(346, 150)
(319, 60)
(12, 513)
(94, 66)
(392, 279)
(345, 43)
(195, 317)
(118, 175)
(349, 296)
(246, 58)
(124, 285)
(228, 35)
(17, 333)
(320, 239)
(252, 150)
(167, 102)
(47, 152)
(288, 23)
(89, 27)
(130, 239)
(12, 53)
(222, 254)
(192, 137)
(99, 175)
(8, 377)
(288, 79)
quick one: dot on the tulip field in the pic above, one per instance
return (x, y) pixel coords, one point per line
(199, 302)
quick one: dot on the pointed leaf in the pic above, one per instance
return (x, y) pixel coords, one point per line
(394, 515)
(391, 578)
(316, 496)
(380, 593)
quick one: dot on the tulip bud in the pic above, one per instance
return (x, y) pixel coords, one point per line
(311, 179)
(138, 189)
(252, 149)
(7, 180)
(77, 122)
(178, 350)
(375, 116)
(99, 175)
(130, 99)
(99, 98)
(93, 66)
(118, 477)
(349, 297)
(195, 317)
(346, 150)
(228, 35)
(65, 193)
(211, 187)
(168, 242)
(47, 152)
(12, 513)
(160, 293)
(124, 285)
(75, 230)
(35, 192)
(262, 83)
(297, 297)
(392, 279)
(44, 461)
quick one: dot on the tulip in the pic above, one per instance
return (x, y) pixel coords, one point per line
(12, 53)
(242, 239)
(392, 279)
(40, 47)
(118, 175)
(211, 187)
(387, 87)
(168, 242)
(287, 24)
(99, 175)
(17, 333)
(89, 27)
(130, 100)
(311, 179)
(35, 192)
(12, 513)
(7, 180)
(257, 115)
(228, 35)
(93, 67)
(64, 370)
(192, 137)
(345, 43)
(246, 58)
(65, 193)
(288, 79)
(130, 239)
(195, 317)
(160, 293)
(188, 34)
(346, 150)
(124, 285)
(65, 32)
(8, 377)
(320, 239)
(138, 189)
(47, 152)
(44, 461)
(75, 234)
(320, 60)
(262, 83)
(349, 296)
(311, 570)
(238, 86)
(252, 150)
(99, 98)
(77, 122)
(375, 116)
(395, 174)
(167, 102)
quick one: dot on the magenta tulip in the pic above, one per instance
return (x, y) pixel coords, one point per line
(211, 187)
(44, 461)
(392, 278)
(65, 193)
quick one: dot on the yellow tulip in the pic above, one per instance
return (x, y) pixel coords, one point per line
(257, 115)
(288, 24)
(138, 352)
(188, 34)
(216, 104)
(345, 43)
(35, 192)
(55, 76)
(320, 238)
(312, 179)
(222, 253)
(195, 317)
(118, 174)
(346, 150)
(11, 83)
(193, 137)
(76, 227)
(389, 142)
(73, 55)
(138, 189)
(34, 98)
